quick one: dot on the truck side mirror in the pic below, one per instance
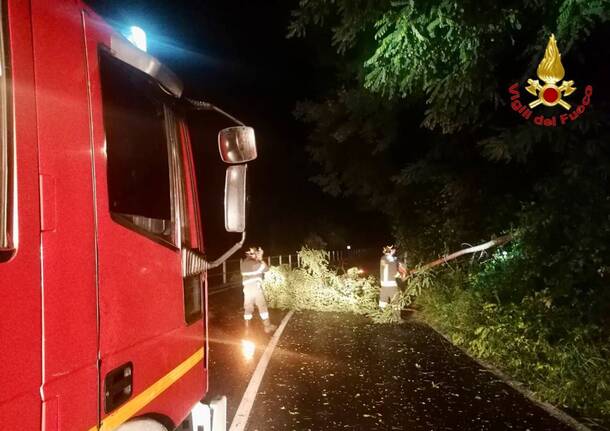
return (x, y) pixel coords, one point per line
(237, 144)
(235, 198)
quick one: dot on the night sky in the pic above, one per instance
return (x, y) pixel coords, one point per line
(235, 55)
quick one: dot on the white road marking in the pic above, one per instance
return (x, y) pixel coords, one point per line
(245, 406)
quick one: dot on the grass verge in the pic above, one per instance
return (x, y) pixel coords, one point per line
(566, 367)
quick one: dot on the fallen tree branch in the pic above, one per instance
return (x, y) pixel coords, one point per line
(493, 243)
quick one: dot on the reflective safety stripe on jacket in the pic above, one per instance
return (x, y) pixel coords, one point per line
(252, 271)
(388, 271)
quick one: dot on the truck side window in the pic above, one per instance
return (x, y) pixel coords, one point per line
(137, 150)
(193, 304)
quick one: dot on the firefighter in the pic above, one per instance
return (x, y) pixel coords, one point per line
(252, 269)
(390, 268)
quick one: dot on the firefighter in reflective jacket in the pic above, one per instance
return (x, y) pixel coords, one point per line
(390, 268)
(252, 269)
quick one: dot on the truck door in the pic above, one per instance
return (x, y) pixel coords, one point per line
(151, 335)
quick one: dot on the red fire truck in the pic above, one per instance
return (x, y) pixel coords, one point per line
(102, 268)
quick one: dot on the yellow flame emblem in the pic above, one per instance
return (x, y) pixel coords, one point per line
(550, 69)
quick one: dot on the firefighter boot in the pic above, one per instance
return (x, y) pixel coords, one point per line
(268, 326)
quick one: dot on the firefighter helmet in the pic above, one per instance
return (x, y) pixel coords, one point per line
(389, 249)
(255, 252)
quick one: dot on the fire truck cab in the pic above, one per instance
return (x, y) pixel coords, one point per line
(103, 288)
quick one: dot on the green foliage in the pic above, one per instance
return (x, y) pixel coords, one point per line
(440, 50)
(563, 361)
(578, 18)
(316, 286)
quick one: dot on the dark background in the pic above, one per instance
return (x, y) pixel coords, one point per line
(235, 54)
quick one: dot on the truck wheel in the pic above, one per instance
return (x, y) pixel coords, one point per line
(142, 424)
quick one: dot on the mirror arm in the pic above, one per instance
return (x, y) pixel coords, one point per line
(194, 263)
(200, 105)
(229, 252)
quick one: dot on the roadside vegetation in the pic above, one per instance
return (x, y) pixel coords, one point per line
(547, 344)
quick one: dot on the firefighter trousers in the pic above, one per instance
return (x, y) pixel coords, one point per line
(253, 295)
(386, 294)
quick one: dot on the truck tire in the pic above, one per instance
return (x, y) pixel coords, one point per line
(142, 424)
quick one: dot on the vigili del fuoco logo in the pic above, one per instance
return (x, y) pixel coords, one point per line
(550, 92)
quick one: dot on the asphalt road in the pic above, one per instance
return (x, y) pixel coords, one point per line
(341, 372)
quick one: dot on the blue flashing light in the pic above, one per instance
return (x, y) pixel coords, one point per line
(137, 36)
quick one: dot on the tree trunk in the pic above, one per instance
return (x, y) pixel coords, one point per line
(493, 243)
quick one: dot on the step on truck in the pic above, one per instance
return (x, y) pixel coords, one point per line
(103, 292)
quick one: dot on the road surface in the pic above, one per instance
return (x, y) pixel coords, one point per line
(340, 372)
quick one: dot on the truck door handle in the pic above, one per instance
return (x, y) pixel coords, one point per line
(118, 386)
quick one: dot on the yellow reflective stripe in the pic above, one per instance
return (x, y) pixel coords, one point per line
(133, 406)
